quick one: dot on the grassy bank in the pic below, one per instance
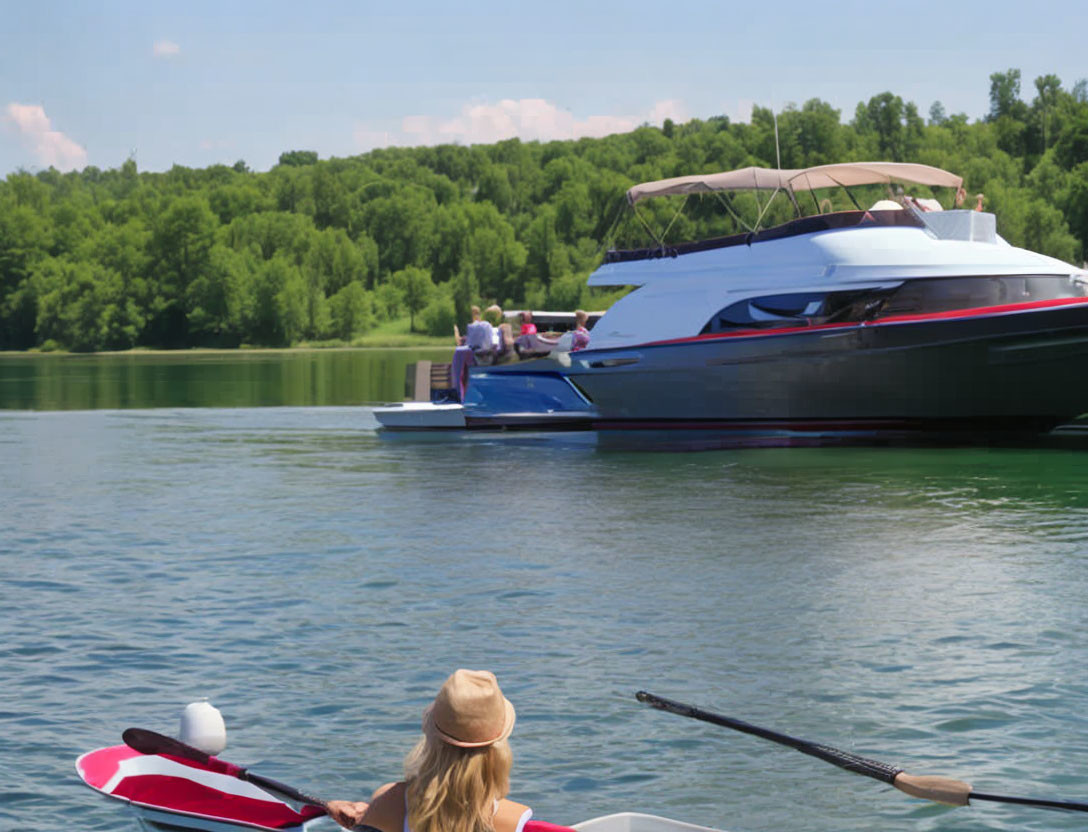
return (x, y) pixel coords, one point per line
(388, 335)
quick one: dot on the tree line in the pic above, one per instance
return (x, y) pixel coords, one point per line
(325, 250)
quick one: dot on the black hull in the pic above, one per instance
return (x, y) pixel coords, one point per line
(1008, 373)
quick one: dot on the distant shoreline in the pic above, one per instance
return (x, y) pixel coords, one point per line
(220, 350)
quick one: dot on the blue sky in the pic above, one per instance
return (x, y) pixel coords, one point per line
(197, 83)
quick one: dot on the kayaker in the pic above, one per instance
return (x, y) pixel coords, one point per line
(458, 774)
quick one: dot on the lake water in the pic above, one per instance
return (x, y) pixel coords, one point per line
(263, 378)
(318, 580)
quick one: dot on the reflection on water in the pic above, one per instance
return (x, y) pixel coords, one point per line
(206, 379)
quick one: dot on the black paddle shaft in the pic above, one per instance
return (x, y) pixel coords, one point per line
(843, 759)
(852, 762)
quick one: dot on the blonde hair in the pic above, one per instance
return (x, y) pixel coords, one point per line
(580, 317)
(452, 789)
(493, 314)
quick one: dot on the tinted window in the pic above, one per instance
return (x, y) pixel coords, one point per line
(918, 297)
(913, 297)
(798, 309)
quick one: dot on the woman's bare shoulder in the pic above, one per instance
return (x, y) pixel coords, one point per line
(386, 810)
(381, 791)
(509, 815)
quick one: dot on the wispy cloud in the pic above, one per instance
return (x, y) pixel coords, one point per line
(215, 144)
(165, 49)
(741, 110)
(525, 118)
(51, 147)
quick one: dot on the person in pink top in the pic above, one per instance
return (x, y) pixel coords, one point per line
(527, 325)
(581, 335)
(458, 774)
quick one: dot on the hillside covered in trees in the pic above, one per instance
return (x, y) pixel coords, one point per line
(322, 250)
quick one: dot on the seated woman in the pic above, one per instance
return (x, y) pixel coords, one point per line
(580, 339)
(458, 775)
(528, 343)
(503, 338)
(481, 338)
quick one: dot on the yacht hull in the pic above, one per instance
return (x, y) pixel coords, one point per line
(1017, 372)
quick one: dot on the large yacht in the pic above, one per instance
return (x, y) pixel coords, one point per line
(894, 320)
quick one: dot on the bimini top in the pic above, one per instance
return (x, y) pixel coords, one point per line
(845, 174)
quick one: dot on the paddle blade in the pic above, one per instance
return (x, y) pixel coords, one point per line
(149, 742)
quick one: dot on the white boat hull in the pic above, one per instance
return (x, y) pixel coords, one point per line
(421, 416)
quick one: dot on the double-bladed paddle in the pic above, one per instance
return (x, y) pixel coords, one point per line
(927, 787)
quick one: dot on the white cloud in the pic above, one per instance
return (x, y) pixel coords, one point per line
(526, 118)
(670, 108)
(741, 110)
(215, 144)
(165, 49)
(51, 147)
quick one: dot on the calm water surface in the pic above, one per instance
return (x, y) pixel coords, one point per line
(239, 378)
(318, 581)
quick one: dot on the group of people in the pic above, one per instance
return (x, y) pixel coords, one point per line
(488, 339)
(488, 336)
(457, 776)
(491, 339)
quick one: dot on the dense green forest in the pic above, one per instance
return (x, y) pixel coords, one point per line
(324, 250)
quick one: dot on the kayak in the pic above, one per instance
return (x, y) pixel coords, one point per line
(168, 794)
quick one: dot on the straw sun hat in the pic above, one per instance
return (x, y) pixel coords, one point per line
(469, 711)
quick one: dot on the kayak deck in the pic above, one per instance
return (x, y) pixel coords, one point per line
(638, 822)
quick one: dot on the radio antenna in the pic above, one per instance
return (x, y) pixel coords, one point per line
(777, 150)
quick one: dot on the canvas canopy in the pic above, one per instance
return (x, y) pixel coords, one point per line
(846, 174)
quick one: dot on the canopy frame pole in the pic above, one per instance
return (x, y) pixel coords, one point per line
(729, 207)
(793, 199)
(646, 225)
(812, 191)
(849, 194)
(617, 216)
(766, 206)
(674, 218)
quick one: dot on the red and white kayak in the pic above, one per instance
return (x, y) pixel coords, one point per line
(170, 792)
(167, 794)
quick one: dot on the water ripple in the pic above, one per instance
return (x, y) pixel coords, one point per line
(318, 582)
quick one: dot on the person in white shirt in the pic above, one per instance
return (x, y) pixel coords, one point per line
(480, 335)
